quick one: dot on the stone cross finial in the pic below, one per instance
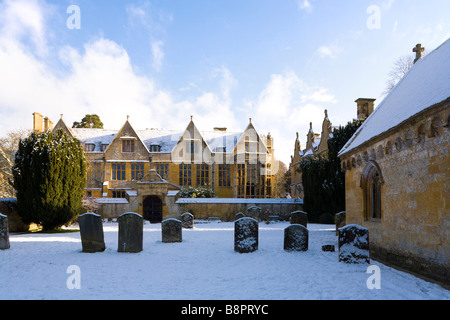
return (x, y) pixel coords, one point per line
(418, 49)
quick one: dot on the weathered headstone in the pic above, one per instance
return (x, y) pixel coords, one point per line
(340, 220)
(187, 220)
(265, 215)
(239, 215)
(171, 231)
(354, 244)
(299, 217)
(130, 232)
(328, 248)
(254, 212)
(246, 235)
(296, 238)
(4, 232)
(91, 231)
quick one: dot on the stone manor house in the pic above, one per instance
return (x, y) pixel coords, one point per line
(139, 170)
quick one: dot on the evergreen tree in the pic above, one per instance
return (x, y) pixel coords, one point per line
(49, 177)
(322, 178)
(89, 121)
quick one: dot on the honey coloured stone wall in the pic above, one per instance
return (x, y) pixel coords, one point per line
(414, 161)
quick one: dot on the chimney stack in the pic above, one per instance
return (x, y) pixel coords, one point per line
(365, 108)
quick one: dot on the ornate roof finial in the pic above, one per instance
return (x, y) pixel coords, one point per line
(128, 117)
(192, 118)
(250, 119)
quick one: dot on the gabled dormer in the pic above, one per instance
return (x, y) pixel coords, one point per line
(250, 145)
(127, 145)
(61, 125)
(191, 147)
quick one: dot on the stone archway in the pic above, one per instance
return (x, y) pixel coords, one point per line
(152, 209)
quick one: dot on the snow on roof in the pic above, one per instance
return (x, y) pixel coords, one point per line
(167, 139)
(426, 84)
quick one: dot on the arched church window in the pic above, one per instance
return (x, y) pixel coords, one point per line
(371, 183)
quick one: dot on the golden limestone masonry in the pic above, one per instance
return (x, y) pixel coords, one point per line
(142, 170)
(397, 169)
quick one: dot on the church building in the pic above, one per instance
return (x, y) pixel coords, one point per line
(317, 144)
(137, 170)
(397, 170)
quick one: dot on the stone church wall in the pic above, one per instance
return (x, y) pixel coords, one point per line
(414, 159)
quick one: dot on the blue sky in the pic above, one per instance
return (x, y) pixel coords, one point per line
(281, 63)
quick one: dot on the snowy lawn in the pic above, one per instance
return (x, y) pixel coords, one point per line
(203, 267)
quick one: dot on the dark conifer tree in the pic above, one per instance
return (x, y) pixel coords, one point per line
(323, 180)
(49, 177)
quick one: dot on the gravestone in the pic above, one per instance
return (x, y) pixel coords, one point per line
(353, 244)
(4, 232)
(171, 231)
(254, 212)
(130, 232)
(187, 220)
(265, 215)
(246, 235)
(238, 216)
(299, 217)
(339, 220)
(328, 248)
(296, 238)
(91, 231)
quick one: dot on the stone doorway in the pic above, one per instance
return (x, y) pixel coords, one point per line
(152, 208)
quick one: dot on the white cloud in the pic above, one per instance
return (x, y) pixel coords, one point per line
(305, 5)
(330, 51)
(145, 17)
(158, 54)
(287, 105)
(24, 20)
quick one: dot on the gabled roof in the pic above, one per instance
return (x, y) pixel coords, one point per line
(426, 84)
(167, 139)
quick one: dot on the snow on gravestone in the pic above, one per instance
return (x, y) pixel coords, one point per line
(4, 234)
(299, 217)
(246, 235)
(187, 220)
(296, 238)
(130, 232)
(171, 231)
(238, 216)
(353, 244)
(91, 231)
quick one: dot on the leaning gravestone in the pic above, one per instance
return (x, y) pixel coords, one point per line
(91, 231)
(353, 244)
(4, 233)
(187, 220)
(339, 220)
(246, 235)
(130, 232)
(254, 212)
(171, 231)
(296, 238)
(299, 217)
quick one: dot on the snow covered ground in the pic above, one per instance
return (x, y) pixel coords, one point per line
(203, 267)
